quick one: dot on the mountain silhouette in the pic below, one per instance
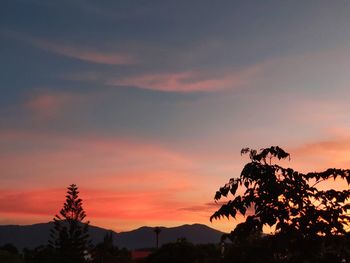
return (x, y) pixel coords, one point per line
(31, 236)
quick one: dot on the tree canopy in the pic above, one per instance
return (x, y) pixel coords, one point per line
(284, 198)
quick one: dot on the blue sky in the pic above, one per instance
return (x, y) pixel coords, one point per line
(105, 93)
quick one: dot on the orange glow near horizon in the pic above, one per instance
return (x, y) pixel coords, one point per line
(147, 110)
(165, 189)
(112, 210)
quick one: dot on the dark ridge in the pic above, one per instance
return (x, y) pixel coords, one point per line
(31, 236)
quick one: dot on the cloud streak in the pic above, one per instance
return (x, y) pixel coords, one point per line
(189, 81)
(322, 154)
(102, 205)
(80, 52)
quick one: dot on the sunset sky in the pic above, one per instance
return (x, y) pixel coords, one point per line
(145, 105)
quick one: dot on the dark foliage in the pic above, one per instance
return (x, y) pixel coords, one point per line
(290, 249)
(70, 237)
(106, 252)
(185, 252)
(41, 254)
(285, 197)
(289, 201)
(9, 254)
(9, 248)
(103, 252)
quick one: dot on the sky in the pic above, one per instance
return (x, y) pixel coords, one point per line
(145, 105)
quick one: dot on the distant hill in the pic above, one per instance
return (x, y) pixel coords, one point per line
(144, 237)
(31, 236)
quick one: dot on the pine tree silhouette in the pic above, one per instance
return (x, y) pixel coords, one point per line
(69, 236)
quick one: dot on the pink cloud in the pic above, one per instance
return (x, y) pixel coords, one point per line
(189, 81)
(86, 54)
(74, 51)
(48, 105)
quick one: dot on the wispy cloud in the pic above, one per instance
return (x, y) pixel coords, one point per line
(322, 154)
(111, 58)
(206, 207)
(189, 81)
(45, 105)
(80, 52)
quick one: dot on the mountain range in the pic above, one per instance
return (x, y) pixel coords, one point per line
(31, 236)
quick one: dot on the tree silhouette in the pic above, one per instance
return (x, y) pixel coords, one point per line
(40, 254)
(69, 236)
(9, 253)
(106, 252)
(285, 199)
(182, 251)
(157, 230)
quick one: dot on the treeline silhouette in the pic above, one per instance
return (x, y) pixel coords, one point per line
(307, 223)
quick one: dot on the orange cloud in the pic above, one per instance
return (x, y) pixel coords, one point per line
(98, 203)
(30, 202)
(320, 155)
(124, 182)
(103, 206)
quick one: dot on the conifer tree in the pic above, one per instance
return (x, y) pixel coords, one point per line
(69, 236)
